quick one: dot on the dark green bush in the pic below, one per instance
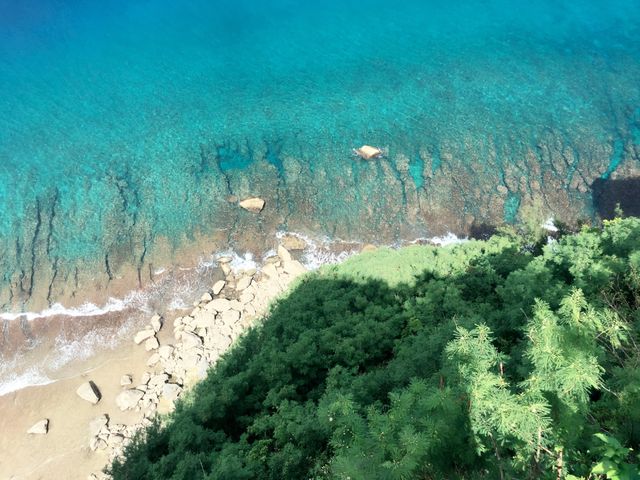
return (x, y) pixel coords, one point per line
(491, 363)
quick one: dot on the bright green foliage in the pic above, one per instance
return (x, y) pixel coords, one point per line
(485, 360)
(613, 463)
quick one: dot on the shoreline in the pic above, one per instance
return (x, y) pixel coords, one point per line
(26, 334)
(162, 366)
(161, 360)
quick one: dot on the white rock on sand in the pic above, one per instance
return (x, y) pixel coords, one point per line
(89, 391)
(39, 428)
(253, 204)
(143, 335)
(151, 343)
(126, 380)
(129, 399)
(97, 424)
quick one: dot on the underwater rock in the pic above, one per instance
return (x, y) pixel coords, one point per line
(253, 204)
(368, 152)
(292, 243)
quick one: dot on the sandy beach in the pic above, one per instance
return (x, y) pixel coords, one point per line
(186, 346)
(64, 453)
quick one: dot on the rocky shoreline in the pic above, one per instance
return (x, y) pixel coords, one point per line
(179, 359)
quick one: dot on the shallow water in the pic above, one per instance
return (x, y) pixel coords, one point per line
(129, 128)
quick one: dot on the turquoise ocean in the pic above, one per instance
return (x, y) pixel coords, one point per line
(130, 129)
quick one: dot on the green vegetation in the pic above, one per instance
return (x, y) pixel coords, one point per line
(482, 361)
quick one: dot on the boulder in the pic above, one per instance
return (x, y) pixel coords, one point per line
(243, 283)
(126, 380)
(294, 268)
(143, 335)
(190, 359)
(97, 443)
(115, 439)
(249, 310)
(224, 259)
(226, 269)
(206, 297)
(39, 428)
(158, 379)
(368, 248)
(156, 323)
(284, 254)
(171, 391)
(204, 320)
(218, 286)
(151, 344)
(219, 305)
(271, 259)
(246, 297)
(368, 152)
(89, 391)
(230, 316)
(191, 340)
(292, 243)
(153, 359)
(165, 351)
(235, 305)
(97, 424)
(270, 270)
(129, 399)
(253, 204)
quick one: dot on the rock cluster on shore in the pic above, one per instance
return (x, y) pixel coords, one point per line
(217, 320)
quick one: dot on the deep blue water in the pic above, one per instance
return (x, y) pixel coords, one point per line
(126, 122)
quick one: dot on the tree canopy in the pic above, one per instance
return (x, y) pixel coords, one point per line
(489, 359)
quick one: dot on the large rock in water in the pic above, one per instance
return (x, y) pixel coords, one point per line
(253, 204)
(292, 242)
(40, 428)
(368, 152)
(89, 392)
